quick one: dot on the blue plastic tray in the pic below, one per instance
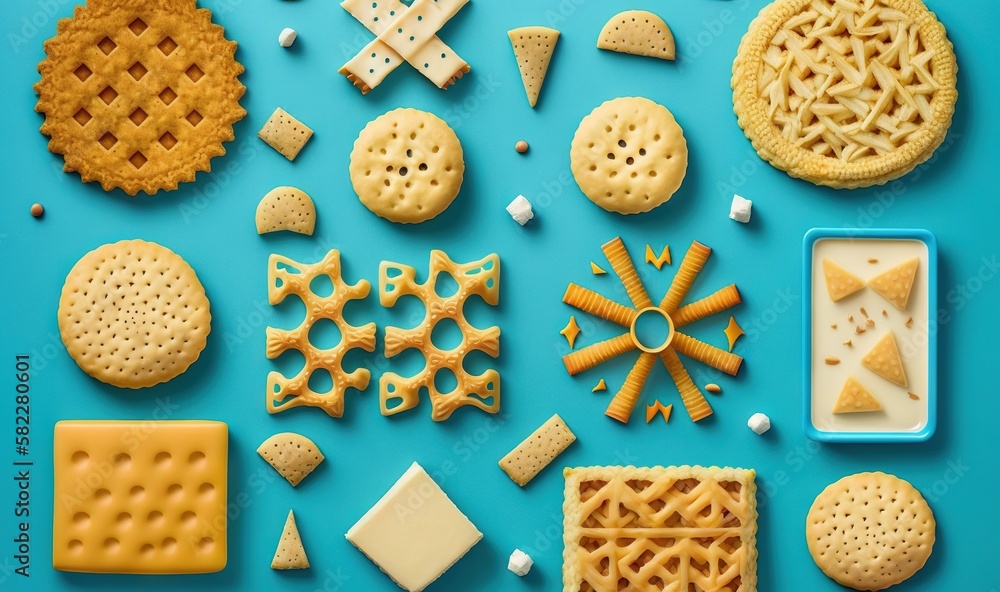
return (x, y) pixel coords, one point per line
(833, 435)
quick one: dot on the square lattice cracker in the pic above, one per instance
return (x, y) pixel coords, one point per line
(676, 529)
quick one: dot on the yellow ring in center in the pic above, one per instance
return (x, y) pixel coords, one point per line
(670, 331)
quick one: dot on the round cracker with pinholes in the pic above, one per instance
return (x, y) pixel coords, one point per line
(407, 166)
(870, 531)
(629, 155)
(133, 314)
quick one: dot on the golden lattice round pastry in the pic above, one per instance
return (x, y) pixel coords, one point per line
(133, 314)
(845, 93)
(139, 94)
(870, 531)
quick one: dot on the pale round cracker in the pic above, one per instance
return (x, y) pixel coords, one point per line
(133, 314)
(407, 166)
(629, 155)
(870, 531)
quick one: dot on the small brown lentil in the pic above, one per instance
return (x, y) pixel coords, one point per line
(713, 388)
(832, 360)
(872, 260)
(37, 210)
(521, 146)
(914, 396)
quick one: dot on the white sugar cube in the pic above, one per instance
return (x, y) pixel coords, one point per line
(520, 210)
(759, 423)
(520, 563)
(287, 37)
(740, 210)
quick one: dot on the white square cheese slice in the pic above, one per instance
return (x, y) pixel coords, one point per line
(415, 532)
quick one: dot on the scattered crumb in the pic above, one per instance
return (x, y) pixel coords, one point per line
(713, 388)
(833, 325)
(859, 329)
(848, 343)
(864, 312)
(832, 360)
(872, 260)
(870, 323)
(885, 314)
(909, 321)
(850, 318)
(914, 396)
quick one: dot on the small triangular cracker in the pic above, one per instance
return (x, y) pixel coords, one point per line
(840, 283)
(293, 455)
(533, 47)
(895, 284)
(855, 398)
(290, 553)
(885, 361)
(286, 208)
(638, 32)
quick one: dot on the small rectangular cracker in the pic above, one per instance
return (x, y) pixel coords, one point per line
(537, 450)
(285, 134)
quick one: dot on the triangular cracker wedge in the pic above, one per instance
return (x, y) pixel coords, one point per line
(840, 283)
(286, 208)
(293, 455)
(855, 398)
(885, 361)
(533, 47)
(290, 553)
(638, 32)
(895, 284)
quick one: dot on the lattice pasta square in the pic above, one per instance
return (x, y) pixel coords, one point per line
(669, 529)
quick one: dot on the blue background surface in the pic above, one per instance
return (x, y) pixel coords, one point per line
(210, 223)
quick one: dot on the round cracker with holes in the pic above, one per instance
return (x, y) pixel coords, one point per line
(133, 314)
(629, 155)
(870, 531)
(407, 166)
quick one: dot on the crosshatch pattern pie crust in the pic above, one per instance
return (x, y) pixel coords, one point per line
(812, 111)
(139, 94)
(660, 529)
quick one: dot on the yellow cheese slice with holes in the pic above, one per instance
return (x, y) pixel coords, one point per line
(855, 398)
(884, 360)
(840, 283)
(638, 32)
(533, 47)
(290, 553)
(139, 497)
(896, 284)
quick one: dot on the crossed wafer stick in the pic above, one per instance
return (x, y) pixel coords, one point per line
(404, 34)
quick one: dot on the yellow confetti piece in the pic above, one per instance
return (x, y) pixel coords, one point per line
(658, 261)
(657, 407)
(733, 332)
(570, 331)
(601, 386)
(596, 269)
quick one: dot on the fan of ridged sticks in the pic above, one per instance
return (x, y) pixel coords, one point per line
(677, 316)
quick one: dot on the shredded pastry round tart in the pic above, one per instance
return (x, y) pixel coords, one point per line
(139, 94)
(845, 93)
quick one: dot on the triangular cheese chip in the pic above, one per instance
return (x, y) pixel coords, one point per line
(840, 283)
(533, 48)
(895, 285)
(292, 455)
(885, 361)
(638, 32)
(290, 553)
(286, 208)
(855, 398)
